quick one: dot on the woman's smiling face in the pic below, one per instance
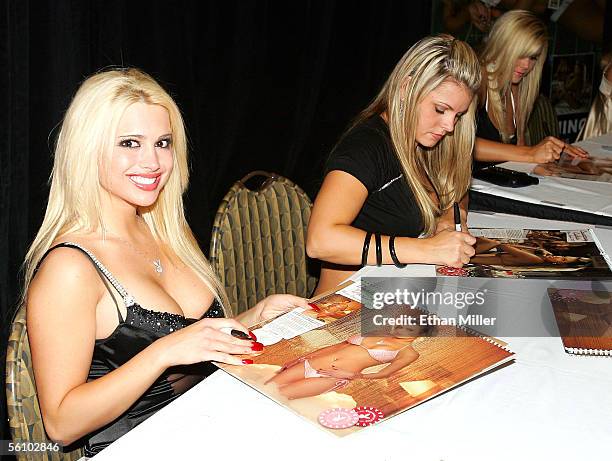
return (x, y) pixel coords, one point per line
(141, 160)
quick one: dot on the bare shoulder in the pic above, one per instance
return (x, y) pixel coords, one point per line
(65, 274)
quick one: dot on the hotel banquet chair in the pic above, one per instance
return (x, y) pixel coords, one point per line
(542, 121)
(25, 419)
(258, 244)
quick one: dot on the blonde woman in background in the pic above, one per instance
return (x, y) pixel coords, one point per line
(124, 313)
(397, 172)
(512, 63)
(599, 120)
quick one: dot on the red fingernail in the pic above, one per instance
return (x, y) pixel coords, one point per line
(252, 336)
(247, 362)
(314, 307)
(257, 347)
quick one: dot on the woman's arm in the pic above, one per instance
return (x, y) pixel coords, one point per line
(271, 307)
(403, 359)
(518, 256)
(484, 244)
(61, 320)
(332, 238)
(548, 150)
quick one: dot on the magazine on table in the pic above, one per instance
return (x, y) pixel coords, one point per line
(528, 253)
(584, 318)
(324, 365)
(594, 168)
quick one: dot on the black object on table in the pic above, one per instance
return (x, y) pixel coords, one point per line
(487, 202)
(505, 177)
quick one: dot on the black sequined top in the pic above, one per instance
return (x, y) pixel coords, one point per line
(139, 329)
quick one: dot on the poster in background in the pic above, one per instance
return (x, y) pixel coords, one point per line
(571, 90)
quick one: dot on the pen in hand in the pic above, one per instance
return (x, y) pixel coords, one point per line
(457, 217)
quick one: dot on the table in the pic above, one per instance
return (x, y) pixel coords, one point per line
(547, 405)
(554, 198)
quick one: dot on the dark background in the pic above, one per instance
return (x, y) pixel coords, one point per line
(262, 85)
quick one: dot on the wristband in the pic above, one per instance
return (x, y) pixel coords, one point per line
(366, 249)
(393, 254)
(378, 249)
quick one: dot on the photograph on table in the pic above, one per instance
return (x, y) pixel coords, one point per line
(343, 381)
(334, 307)
(594, 168)
(584, 318)
(524, 253)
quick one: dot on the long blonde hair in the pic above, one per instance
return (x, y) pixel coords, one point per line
(88, 131)
(597, 122)
(515, 35)
(447, 167)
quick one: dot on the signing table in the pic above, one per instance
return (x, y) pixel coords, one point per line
(546, 405)
(556, 198)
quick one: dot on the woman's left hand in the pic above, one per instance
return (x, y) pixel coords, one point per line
(336, 373)
(275, 305)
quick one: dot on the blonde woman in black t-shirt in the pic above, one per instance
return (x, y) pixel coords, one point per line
(400, 168)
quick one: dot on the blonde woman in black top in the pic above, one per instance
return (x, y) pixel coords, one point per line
(512, 63)
(398, 170)
(124, 313)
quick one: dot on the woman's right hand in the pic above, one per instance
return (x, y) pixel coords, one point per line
(450, 248)
(204, 341)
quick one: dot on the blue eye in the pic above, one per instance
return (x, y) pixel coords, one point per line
(129, 143)
(439, 111)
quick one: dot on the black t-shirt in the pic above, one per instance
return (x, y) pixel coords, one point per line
(366, 153)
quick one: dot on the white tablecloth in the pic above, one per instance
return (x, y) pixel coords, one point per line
(573, 194)
(547, 405)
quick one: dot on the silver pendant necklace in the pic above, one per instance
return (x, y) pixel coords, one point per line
(157, 265)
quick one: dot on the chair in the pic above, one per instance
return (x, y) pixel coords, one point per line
(258, 244)
(25, 419)
(542, 121)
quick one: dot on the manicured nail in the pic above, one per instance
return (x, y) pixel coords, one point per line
(314, 307)
(247, 362)
(252, 336)
(257, 347)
